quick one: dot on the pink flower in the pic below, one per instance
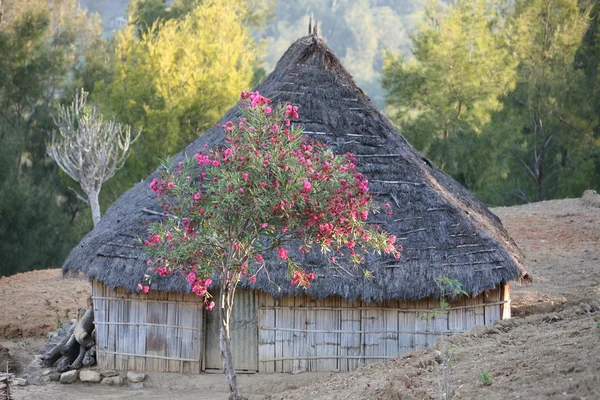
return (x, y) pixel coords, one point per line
(241, 191)
(149, 262)
(245, 176)
(291, 111)
(283, 253)
(156, 239)
(170, 185)
(154, 185)
(199, 290)
(259, 258)
(244, 265)
(253, 279)
(227, 152)
(191, 278)
(311, 276)
(268, 110)
(210, 306)
(144, 289)
(162, 271)
(207, 282)
(264, 225)
(196, 196)
(216, 163)
(307, 186)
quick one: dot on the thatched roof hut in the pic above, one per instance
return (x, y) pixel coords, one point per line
(445, 230)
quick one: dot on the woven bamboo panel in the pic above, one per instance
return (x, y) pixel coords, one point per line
(332, 334)
(157, 331)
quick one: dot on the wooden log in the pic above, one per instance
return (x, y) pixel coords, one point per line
(84, 328)
(89, 358)
(65, 361)
(54, 354)
(70, 347)
(78, 363)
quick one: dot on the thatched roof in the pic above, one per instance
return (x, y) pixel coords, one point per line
(445, 230)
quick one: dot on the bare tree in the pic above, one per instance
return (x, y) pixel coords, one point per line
(89, 148)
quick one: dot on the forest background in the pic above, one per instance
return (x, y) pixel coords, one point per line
(502, 95)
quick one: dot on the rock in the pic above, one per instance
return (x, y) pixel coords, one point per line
(19, 381)
(52, 377)
(109, 372)
(87, 375)
(137, 386)
(54, 340)
(112, 381)
(69, 376)
(45, 348)
(47, 371)
(135, 377)
(590, 198)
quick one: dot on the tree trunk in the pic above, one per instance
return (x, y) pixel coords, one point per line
(226, 304)
(95, 206)
(540, 176)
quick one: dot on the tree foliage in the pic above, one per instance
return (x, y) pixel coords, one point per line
(496, 98)
(176, 79)
(40, 45)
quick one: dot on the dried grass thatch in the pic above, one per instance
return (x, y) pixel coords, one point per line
(445, 230)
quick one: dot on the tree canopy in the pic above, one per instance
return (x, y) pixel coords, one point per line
(496, 98)
(176, 79)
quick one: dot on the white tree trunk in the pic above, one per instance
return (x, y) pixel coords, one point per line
(95, 206)
(226, 305)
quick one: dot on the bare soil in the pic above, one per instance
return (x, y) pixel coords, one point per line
(549, 350)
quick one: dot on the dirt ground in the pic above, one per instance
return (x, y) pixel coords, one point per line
(549, 350)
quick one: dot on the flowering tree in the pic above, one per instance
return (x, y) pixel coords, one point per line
(267, 189)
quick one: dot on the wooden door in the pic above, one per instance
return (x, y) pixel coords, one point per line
(243, 331)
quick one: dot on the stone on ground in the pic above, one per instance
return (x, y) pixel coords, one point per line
(87, 375)
(135, 377)
(112, 381)
(69, 376)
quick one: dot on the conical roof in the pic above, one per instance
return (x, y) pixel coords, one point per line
(444, 229)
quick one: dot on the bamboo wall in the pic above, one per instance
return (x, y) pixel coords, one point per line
(158, 331)
(169, 332)
(332, 334)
